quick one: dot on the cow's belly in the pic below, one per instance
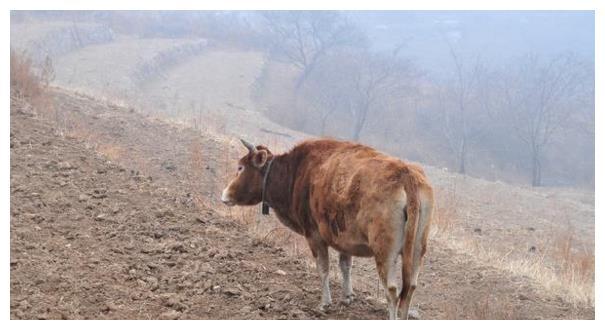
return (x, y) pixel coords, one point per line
(352, 248)
(350, 241)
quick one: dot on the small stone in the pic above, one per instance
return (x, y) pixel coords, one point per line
(297, 313)
(65, 166)
(206, 268)
(231, 292)
(184, 285)
(24, 304)
(280, 272)
(170, 299)
(110, 306)
(99, 193)
(101, 217)
(19, 314)
(164, 213)
(170, 315)
(153, 283)
(169, 165)
(179, 247)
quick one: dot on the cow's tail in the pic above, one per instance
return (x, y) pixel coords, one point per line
(407, 258)
(419, 213)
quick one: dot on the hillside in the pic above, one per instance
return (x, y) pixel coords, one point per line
(114, 214)
(115, 184)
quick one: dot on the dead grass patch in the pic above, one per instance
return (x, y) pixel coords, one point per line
(111, 151)
(559, 266)
(32, 84)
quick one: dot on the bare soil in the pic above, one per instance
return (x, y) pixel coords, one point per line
(109, 220)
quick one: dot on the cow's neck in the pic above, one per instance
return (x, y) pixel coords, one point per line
(277, 193)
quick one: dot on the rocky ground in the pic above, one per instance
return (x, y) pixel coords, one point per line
(111, 220)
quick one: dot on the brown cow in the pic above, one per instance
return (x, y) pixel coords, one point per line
(349, 197)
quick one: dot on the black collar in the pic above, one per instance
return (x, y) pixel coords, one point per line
(265, 205)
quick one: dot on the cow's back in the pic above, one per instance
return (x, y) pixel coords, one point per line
(344, 185)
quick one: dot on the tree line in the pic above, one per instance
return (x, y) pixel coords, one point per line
(527, 115)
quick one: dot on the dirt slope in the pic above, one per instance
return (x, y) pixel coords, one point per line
(93, 238)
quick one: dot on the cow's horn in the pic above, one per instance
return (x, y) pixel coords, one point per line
(248, 145)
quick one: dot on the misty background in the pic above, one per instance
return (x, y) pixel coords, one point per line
(499, 95)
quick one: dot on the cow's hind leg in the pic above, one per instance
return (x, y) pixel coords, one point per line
(407, 291)
(322, 260)
(386, 242)
(386, 266)
(345, 262)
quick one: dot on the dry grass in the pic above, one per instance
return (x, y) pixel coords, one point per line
(559, 266)
(487, 307)
(197, 168)
(490, 308)
(580, 263)
(32, 84)
(446, 215)
(24, 81)
(111, 151)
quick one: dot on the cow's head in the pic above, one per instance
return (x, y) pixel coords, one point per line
(246, 187)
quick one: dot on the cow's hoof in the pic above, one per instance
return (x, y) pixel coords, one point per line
(413, 314)
(324, 307)
(348, 299)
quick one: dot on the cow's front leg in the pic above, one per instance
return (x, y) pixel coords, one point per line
(322, 261)
(345, 262)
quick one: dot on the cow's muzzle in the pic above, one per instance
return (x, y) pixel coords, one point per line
(225, 198)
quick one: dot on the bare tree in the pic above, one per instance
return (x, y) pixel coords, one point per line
(47, 71)
(330, 92)
(379, 79)
(355, 84)
(466, 101)
(539, 97)
(326, 102)
(302, 38)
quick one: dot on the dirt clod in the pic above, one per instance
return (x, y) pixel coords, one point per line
(65, 166)
(170, 315)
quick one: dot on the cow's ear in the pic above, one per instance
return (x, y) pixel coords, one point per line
(260, 158)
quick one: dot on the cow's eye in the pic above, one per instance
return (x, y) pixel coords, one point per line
(240, 168)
